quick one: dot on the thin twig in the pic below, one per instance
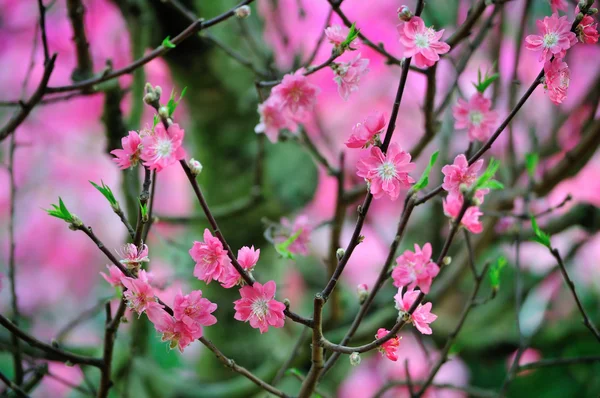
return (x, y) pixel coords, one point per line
(13, 386)
(85, 66)
(551, 362)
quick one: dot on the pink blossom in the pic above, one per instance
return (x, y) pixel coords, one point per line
(386, 173)
(453, 204)
(415, 268)
(365, 133)
(347, 75)
(132, 257)
(336, 35)
(556, 80)
(175, 331)
(210, 257)
(555, 39)
(114, 275)
(163, 147)
(476, 116)
(139, 292)
(296, 93)
(194, 310)
(558, 5)
(247, 257)
(302, 224)
(129, 156)
(460, 173)
(273, 118)
(587, 30)
(530, 355)
(421, 43)
(422, 315)
(390, 347)
(258, 305)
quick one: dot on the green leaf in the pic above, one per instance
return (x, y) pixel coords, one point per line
(172, 104)
(167, 42)
(492, 185)
(143, 209)
(495, 270)
(60, 211)
(107, 192)
(483, 83)
(352, 34)
(540, 236)
(424, 180)
(531, 161)
(282, 248)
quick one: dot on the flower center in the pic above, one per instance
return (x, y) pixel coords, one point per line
(422, 40)
(163, 148)
(260, 308)
(550, 40)
(387, 171)
(476, 117)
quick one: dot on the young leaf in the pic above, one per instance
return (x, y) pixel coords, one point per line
(144, 210)
(172, 104)
(540, 236)
(485, 180)
(492, 185)
(352, 34)
(424, 180)
(167, 42)
(107, 192)
(60, 211)
(495, 270)
(282, 248)
(531, 161)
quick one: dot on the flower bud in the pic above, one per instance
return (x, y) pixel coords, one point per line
(195, 166)
(404, 13)
(163, 112)
(362, 291)
(447, 260)
(339, 253)
(592, 11)
(355, 359)
(243, 12)
(76, 223)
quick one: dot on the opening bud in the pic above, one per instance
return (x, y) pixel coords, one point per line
(404, 13)
(243, 12)
(362, 291)
(355, 359)
(195, 166)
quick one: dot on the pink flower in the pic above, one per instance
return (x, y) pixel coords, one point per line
(247, 258)
(114, 275)
(347, 75)
(422, 316)
(559, 5)
(460, 173)
(258, 306)
(210, 257)
(386, 173)
(300, 245)
(296, 93)
(530, 355)
(273, 118)
(587, 30)
(139, 292)
(163, 147)
(390, 347)
(365, 133)
(131, 257)
(175, 331)
(336, 35)
(556, 80)
(415, 269)
(129, 156)
(476, 116)
(194, 310)
(454, 202)
(555, 39)
(421, 43)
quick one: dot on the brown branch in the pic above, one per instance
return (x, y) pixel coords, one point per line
(13, 386)
(547, 363)
(317, 359)
(85, 66)
(110, 332)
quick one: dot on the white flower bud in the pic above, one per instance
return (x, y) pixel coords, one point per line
(243, 12)
(195, 166)
(355, 359)
(362, 291)
(404, 13)
(447, 260)
(339, 253)
(163, 112)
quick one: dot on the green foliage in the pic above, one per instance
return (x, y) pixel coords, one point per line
(172, 104)
(424, 180)
(167, 42)
(283, 247)
(484, 82)
(486, 179)
(107, 193)
(60, 211)
(540, 236)
(495, 271)
(144, 210)
(531, 162)
(352, 34)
